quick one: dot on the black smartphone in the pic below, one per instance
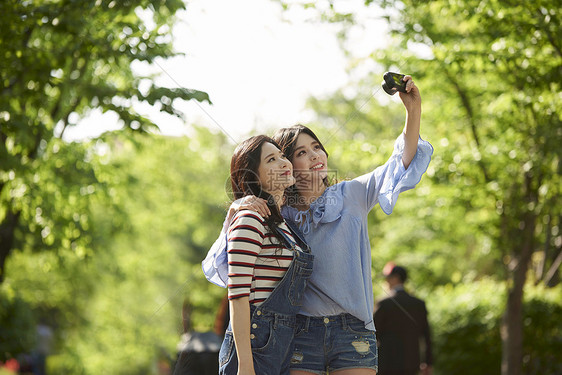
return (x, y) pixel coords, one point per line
(393, 82)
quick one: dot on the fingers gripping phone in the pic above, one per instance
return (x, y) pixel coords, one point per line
(393, 82)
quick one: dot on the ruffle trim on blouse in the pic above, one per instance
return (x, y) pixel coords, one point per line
(410, 177)
(327, 208)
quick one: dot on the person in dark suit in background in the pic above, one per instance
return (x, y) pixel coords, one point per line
(401, 323)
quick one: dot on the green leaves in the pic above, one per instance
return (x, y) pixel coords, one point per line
(494, 75)
(118, 229)
(18, 325)
(59, 61)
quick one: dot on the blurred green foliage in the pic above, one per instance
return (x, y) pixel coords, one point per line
(108, 234)
(490, 73)
(59, 60)
(146, 244)
(493, 73)
(168, 199)
(465, 321)
(17, 335)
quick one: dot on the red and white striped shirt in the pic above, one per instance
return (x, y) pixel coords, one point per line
(256, 262)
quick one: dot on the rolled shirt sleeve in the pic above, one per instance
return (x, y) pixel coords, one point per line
(385, 183)
(245, 240)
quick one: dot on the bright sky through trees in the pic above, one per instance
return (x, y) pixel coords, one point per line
(257, 63)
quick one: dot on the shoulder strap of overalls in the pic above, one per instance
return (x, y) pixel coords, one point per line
(288, 241)
(296, 234)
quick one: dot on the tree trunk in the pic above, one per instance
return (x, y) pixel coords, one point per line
(512, 321)
(512, 332)
(7, 230)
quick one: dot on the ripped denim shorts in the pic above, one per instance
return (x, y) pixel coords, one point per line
(331, 343)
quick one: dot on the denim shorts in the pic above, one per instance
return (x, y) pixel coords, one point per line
(333, 343)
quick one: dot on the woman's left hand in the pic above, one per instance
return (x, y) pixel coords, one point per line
(411, 98)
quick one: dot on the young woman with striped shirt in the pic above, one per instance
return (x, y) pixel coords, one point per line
(268, 266)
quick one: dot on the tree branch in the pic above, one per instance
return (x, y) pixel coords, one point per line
(542, 264)
(553, 268)
(7, 230)
(470, 113)
(551, 39)
(65, 120)
(13, 81)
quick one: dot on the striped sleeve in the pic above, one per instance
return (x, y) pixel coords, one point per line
(245, 239)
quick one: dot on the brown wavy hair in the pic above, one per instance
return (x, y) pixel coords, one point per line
(244, 178)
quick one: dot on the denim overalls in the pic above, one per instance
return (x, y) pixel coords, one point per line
(273, 323)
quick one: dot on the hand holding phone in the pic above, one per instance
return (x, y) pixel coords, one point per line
(393, 82)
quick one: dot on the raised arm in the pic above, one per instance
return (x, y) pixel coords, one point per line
(412, 101)
(401, 172)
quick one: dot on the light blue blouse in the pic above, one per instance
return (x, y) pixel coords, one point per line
(335, 228)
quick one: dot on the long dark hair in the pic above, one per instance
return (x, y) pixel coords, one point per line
(286, 138)
(245, 181)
